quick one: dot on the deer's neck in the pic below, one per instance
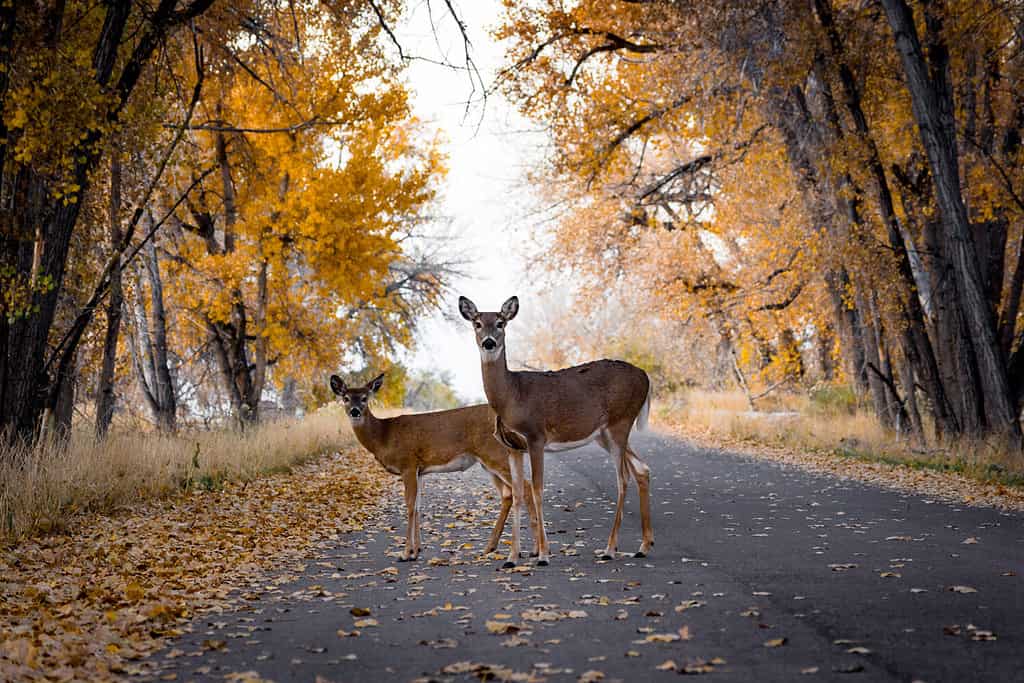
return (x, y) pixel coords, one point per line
(371, 434)
(499, 382)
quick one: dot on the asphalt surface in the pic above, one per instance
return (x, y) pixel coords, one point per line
(856, 580)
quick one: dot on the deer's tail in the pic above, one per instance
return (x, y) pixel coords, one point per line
(645, 411)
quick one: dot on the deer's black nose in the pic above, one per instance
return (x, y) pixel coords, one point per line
(354, 412)
(489, 344)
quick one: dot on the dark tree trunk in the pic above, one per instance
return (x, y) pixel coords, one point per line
(850, 333)
(916, 346)
(105, 397)
(932, 103)
(38, 227)
(150, 355)
(871, 339)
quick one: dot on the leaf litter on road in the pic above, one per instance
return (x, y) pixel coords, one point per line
(92, 603)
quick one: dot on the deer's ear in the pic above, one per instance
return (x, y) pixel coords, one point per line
(376, 383)
(510, 308)
(338, 385)
(468, 309)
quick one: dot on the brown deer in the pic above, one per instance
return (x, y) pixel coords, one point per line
(565, 409)
(443, 441)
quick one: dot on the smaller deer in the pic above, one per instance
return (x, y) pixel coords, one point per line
(444, 441)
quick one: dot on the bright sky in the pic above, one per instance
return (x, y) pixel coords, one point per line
(486, 194)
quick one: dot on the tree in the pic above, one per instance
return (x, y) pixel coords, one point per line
(68, 73)
(294, 240)
(758, 162)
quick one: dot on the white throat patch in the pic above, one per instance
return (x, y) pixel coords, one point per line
(492, 355)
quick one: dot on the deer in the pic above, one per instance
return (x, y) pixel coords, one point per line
(544, 412)
(443, 441)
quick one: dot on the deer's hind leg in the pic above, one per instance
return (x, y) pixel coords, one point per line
(411, 482)
(642, 474)
(606, 439)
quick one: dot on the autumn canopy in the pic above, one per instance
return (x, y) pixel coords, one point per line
(206, 201)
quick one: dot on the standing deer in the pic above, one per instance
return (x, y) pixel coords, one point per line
(443, 441)
(565, 409)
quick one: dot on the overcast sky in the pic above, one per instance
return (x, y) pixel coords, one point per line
(485, 193)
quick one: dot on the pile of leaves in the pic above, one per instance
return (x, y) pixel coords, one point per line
(92, 603)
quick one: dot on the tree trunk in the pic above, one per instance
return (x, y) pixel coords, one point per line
(163, 383)
(873, 359)
(932, 103)
(916, 346)
(150, 355)
(30, 386)
(105, 397)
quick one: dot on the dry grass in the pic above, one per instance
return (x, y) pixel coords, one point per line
(42, 487)
(837, 427)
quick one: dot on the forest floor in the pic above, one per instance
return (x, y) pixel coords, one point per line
(91, 601)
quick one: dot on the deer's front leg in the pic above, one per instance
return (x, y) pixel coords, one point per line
(419, 510)
(537, 484)
(411, 481)
(531, 510)
(506, 504)
(516, 474)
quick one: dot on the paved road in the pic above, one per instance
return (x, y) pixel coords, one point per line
(855, 579)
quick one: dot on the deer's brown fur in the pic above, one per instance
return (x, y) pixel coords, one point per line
(443, 441)
(559, 410)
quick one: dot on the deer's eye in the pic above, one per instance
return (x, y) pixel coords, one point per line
(500, 324)
(477, 324)
(345, 399)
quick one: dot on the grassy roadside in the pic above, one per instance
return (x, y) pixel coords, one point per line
(827, 432)
(105, 570)
(43, 488)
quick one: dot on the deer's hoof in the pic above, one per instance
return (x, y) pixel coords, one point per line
(508, 564)
(607, 556)
(542, 563)
(639, 553)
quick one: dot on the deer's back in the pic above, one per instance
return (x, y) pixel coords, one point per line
(583, 397)
(445, 433)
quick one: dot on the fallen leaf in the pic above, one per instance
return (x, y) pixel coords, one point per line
(502, 627)
(776, 642)
(962, 589)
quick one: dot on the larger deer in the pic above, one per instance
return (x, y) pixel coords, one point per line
(442, 441)
(565, 409)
